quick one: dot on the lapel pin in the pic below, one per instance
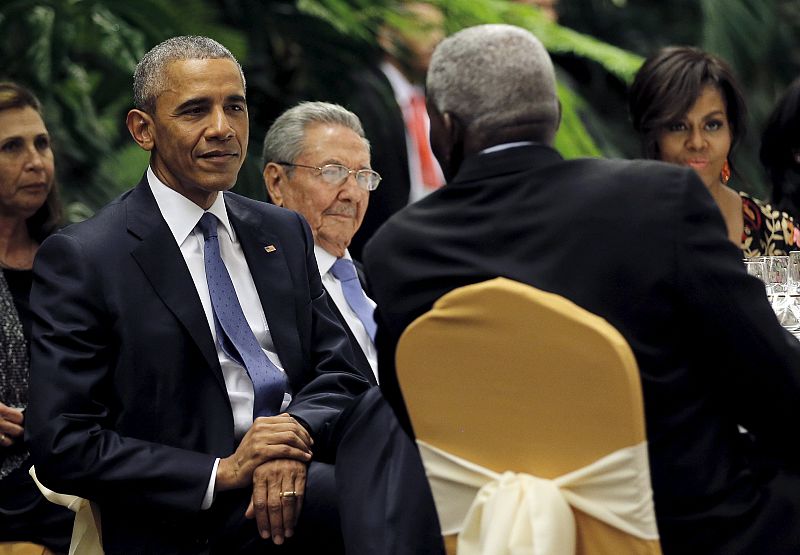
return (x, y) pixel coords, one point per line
(270, 248)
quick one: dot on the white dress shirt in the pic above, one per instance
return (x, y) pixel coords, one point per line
(182, 216)
(333, 286)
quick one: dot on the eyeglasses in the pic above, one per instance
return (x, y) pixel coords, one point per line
(335, 174)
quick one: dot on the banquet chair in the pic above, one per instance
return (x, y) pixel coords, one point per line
(86, 529)
(528, 414)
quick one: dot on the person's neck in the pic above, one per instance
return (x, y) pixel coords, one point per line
(335, 248)
(477, 142)
(718, 189)
(17, 247)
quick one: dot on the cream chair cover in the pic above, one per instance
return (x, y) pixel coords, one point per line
(86, 529)
(529, 417)
(509, 513)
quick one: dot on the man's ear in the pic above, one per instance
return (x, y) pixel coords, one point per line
(455, 133)
(274, 178)
(140, 125)
(453, 128)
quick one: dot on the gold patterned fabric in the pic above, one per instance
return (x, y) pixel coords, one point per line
(767, 230)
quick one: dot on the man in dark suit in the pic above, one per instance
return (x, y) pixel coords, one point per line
(642, 245)
(317, 162)
(389, 100)
(186, 368)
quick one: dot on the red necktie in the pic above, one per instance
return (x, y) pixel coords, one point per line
(419, 129)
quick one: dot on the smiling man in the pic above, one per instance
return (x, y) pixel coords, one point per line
(317, 162)
(186, 367)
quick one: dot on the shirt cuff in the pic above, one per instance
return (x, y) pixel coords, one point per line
(208, 499)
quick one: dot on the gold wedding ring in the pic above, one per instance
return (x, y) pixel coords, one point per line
(288, 494)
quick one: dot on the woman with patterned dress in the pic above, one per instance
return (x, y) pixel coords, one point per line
(29, 211)
(688, 109)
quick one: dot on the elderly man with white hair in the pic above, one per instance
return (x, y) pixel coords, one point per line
(640, 244)
(317, 162)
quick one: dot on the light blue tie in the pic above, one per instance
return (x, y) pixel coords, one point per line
(345, 272)
(234, 333)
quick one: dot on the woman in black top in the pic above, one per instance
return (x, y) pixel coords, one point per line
(29, 211)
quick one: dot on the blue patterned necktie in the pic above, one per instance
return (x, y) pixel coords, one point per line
(345, 272)
(233, 332)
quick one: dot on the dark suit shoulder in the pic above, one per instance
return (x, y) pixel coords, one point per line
(264, 209)
(617, 194)
(253, 204)
(630, 189)
(629, 174)
(96, 229)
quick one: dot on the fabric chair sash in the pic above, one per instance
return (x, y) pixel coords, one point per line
(519, 513)
(86, 529)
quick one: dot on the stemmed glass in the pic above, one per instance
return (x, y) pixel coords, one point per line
(757, 267)
(778, 274)
(794, 273)
(793, 295)
(780, 291)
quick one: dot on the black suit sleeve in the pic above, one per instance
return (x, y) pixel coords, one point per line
(757, 362)
(332, 379)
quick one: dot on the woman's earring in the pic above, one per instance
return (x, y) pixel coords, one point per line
(725, 173)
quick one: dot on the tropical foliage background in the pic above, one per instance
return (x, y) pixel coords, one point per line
(79, 55)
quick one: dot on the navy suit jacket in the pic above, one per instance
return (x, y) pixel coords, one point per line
(643, 245)
(128, 406)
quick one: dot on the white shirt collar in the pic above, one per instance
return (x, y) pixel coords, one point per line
(180, 213)
(325, 259)
(402, 87)
(505, 146)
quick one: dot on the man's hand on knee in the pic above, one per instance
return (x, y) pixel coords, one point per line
(278, 490)
(269, 438)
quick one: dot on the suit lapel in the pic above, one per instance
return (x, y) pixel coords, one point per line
(266, 259)
(362, 364)
(161, 261)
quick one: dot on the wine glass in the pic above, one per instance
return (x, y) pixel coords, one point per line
(757, 267)
(794, 272)
(778, 273)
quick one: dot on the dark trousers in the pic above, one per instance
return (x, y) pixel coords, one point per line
(27, 516)
(384, 498)
(223, 529)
